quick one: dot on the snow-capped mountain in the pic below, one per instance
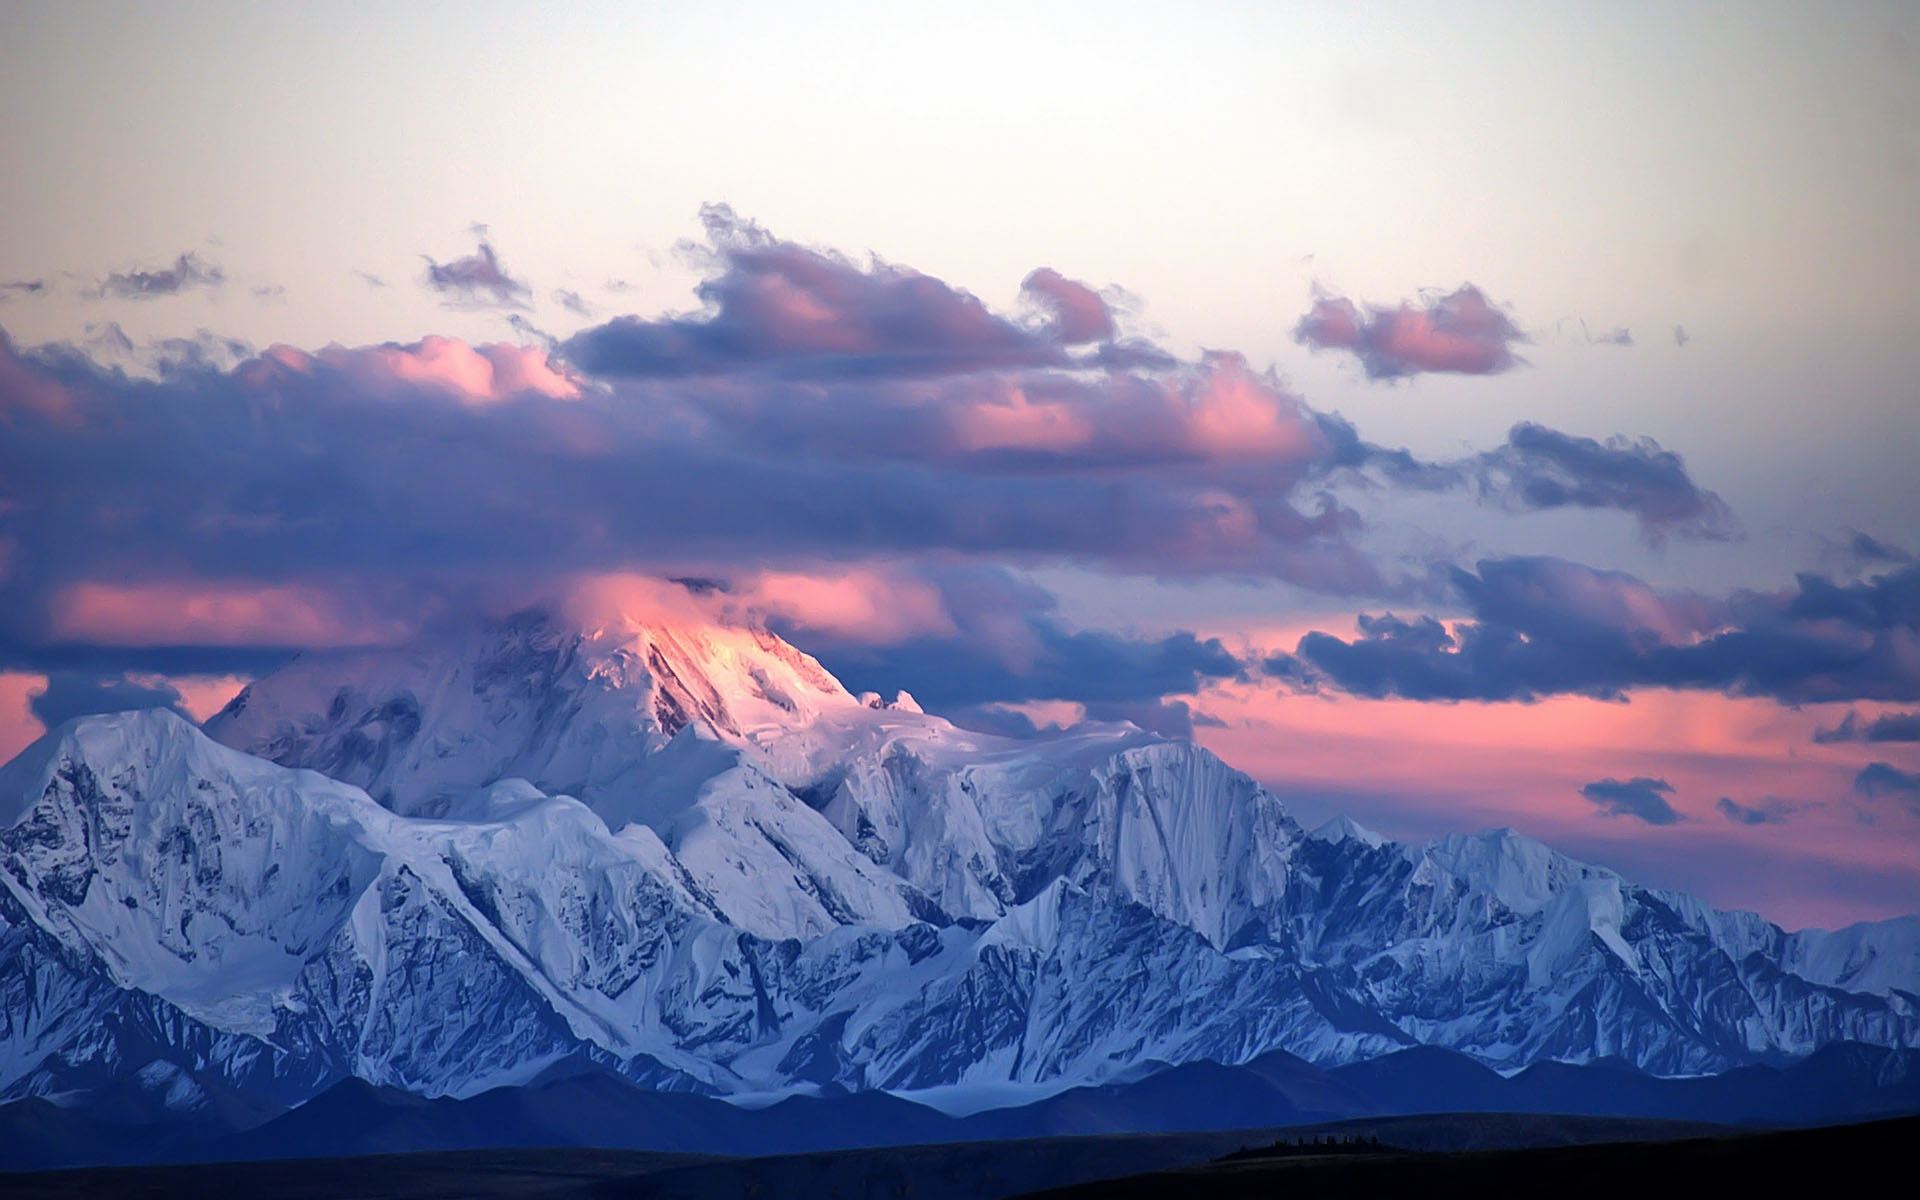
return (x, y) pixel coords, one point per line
(686, 854)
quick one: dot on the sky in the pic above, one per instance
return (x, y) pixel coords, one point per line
(1457, 416)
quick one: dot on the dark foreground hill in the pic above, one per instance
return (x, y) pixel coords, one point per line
(1779, 1163)
(600, 1111)
(949, 1171)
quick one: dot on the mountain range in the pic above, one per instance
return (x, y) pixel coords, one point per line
(683, 855)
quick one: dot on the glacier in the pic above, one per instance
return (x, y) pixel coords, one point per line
(685, 854)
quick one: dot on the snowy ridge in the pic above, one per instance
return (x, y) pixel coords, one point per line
(688, 855)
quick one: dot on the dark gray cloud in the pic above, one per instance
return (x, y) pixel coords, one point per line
(105, 660)
(1871, 551)
(188, 271)
(477, 278)
(1117, 677)
(1642, 798)
(70, 694)
(1130, 354)
(1168, 718)
(995, 719)
(370, 279)
(1460, 332)
(1541, 468)
(1880, 780)
(1771, 810)
(22, 287)
(1887, 727)
(1545, 626)
(1885, 779)
(1008, 646)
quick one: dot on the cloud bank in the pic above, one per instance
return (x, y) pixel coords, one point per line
(859, 450)
(1544, 626)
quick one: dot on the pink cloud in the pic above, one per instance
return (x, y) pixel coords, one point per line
(478, 375)
(1079, 314)
(1460, 332)
(1234, 413)
(867, 605)
(26, 389)
(1220, 410)
(216, 614)
(1012, 420)
(18, 726)
(864, 605)
(610, 598)
(481, 374)
(201, 696)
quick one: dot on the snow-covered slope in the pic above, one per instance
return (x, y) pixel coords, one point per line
(571, 710)
(645, 725)
(688, 855)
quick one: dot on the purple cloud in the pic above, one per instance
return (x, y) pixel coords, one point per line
(1885, 781)
(1078, 313)
(777, 306)
(818, 411)
(1006, 645)
(1545, 626)
(1641, 798)
(573, 302)
(477, 278)
(188, 271)
(69, 694)
(1541, 468)
(1459, 332)
(1769, 811)
(1887, 727)
(1870, 551)
(437, 470)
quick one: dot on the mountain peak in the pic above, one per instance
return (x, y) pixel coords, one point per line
(1344, 828)
(136, 740)
(573, 707)
(1522, 873)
